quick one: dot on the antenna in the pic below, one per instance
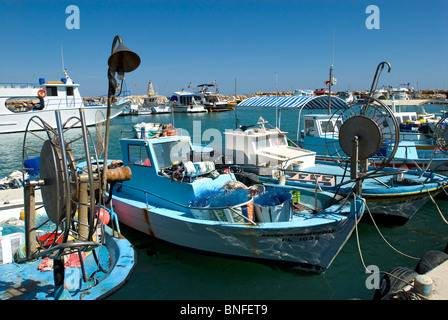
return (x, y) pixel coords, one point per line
(334, 35)
(62, 57)
(330, 81)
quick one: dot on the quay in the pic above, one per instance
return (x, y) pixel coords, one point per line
(427, 282)
(432, 285)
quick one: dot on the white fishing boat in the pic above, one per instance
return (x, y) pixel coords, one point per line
(186, 102)
(134, 109)
(20, 102)
(300, 92)
(347, 96)
(191, 204)
(212, 101)
(157, 104)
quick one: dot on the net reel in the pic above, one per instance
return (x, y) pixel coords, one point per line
(376, 128)
(70, 192)
(365, 133)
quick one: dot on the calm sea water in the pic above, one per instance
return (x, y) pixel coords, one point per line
(166, 272)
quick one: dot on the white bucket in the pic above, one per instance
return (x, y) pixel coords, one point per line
(240, 213)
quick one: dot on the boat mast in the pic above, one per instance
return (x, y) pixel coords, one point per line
(330, 82)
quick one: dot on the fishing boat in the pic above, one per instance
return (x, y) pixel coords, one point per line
(20, 102)
(416, 151)
(300, 92)
(393, 196)
(97, 275)
(193, 205)
(161, 108)
(212, 101)
(134, 108)
(56, 242)
(186, 102)
(347, 96)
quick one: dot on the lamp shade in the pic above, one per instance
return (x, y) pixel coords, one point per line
(122, 59)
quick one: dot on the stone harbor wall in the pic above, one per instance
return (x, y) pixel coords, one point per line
(423, 94)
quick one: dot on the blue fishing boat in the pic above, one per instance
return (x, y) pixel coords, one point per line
(97, 275)
(67, 231)
(55, 242)
(319, 133)
(193, 205)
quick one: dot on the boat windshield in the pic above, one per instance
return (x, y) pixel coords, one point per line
(173, 151)
(330, 126)
(273, 140)
(211, 99)
(278, 140)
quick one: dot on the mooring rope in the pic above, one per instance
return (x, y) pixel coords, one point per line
(434, 201)
(385, 240)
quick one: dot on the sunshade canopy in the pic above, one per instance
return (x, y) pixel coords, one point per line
(298, 102)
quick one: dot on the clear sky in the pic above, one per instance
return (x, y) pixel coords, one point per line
(253, 41)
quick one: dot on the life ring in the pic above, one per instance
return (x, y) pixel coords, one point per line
(42, 93)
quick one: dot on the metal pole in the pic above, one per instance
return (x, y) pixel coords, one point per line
(30, 219)
(354, 164)
(84, 187)
(68, 200)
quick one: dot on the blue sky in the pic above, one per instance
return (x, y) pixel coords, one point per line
(252, 41)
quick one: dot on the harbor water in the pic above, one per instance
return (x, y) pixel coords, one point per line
(167, 272)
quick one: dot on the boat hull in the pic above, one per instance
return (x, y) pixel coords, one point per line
(298, 243)
(160, 109)
(388, 201)
(189, 109)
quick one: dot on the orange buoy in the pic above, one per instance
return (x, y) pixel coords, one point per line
(42, 93)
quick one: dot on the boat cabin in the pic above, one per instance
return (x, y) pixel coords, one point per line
(161, 165)
(316, 128)
(185, 98)
(47, 95)
(264, 147)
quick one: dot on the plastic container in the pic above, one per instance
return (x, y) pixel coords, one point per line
(9, 245)
(273, 206)
(234, 207)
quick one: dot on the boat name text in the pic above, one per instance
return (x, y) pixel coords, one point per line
(307, 236)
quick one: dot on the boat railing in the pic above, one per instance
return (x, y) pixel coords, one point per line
(18, 85)
(321, 179)
(185, 207)
(63, 104)
(147, 193)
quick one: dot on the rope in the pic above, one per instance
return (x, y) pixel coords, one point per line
(357, 240)
(434, 201)
(382, 236)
